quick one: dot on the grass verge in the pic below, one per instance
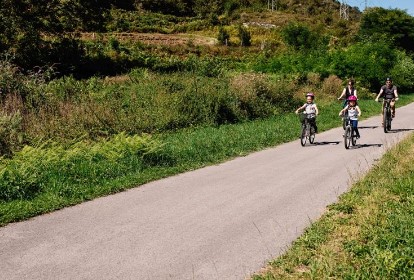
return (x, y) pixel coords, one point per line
(368, 234)
(180, 151)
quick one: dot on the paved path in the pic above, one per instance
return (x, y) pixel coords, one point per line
(221, 222)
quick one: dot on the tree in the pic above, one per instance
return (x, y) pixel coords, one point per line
(223, 36)
(392, 25)
(38, 32)
(244, 36)
(297, 36)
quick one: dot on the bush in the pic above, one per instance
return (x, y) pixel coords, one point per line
(244, 36)
(368, 62)
(403, 72)
(331, 87)
(53, 166)
(297, 36)
(223, 36)
(11, 133)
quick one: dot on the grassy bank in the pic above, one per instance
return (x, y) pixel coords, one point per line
(366, 235)
(58, 177)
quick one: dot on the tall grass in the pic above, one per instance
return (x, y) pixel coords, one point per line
(366, 235)
(38, 180)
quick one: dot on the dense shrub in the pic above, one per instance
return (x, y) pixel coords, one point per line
(53, 166)
(403, 72)
(369, 62)
(223, 36)
(11, 133)
(244, 36)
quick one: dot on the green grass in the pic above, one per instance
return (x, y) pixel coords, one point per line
(368, 234)
(179, 151)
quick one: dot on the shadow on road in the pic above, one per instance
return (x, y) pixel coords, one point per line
(370, 127)
(400, 130)
(358, 146)
(326, 143)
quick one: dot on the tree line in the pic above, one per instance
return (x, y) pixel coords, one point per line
(46, 32)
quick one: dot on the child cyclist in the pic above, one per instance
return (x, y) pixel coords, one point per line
(310, 109)
(353, 113)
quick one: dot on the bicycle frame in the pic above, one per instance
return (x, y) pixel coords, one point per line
(349, 135)
(386, 114)
(307, 131)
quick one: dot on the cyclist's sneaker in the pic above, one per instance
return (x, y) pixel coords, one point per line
(393, 115)
(358, 136)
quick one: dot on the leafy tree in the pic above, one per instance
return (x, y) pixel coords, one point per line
(223, 36)
(391, 25)
(174, 7)
(297, 36)
(244, 36)
(369, 62)
(38, 32)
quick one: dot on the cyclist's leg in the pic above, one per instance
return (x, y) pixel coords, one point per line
(392, 103)
(382, 112)
(354, 124)
(313, 123)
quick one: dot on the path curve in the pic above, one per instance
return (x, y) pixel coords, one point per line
(220, 222)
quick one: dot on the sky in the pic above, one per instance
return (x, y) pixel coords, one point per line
(407, 5)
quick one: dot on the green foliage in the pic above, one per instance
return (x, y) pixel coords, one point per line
(33, 29)
(244, 36)
(11, 133)
(53, 167)
(403, 72)
(223, 36)
(174, 7)
(298, 36)
(368, 62)
(392, 26)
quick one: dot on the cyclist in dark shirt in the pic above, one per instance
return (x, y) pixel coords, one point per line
(388, 91)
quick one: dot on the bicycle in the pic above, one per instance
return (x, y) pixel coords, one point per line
(307, 131)
(349, 135)
(387, 116)
(344, 116)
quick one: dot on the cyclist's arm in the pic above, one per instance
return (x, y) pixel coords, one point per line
(358, 110)
(355, 93)
(396, 94)
(300, 108)
(379, 95)
(342, 94)
(343, 110)
(316, 110)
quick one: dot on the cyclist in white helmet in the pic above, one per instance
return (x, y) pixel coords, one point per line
(310, 109)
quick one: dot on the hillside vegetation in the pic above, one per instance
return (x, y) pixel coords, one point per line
(83, 83)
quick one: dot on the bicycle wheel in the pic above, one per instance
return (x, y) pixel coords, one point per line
(311, 135)
(389, 120)
(353, 137)
(303, 136)
(347, 137)
(385, 120)
(345, 116)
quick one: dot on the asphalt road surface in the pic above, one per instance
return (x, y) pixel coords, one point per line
(220, 222)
